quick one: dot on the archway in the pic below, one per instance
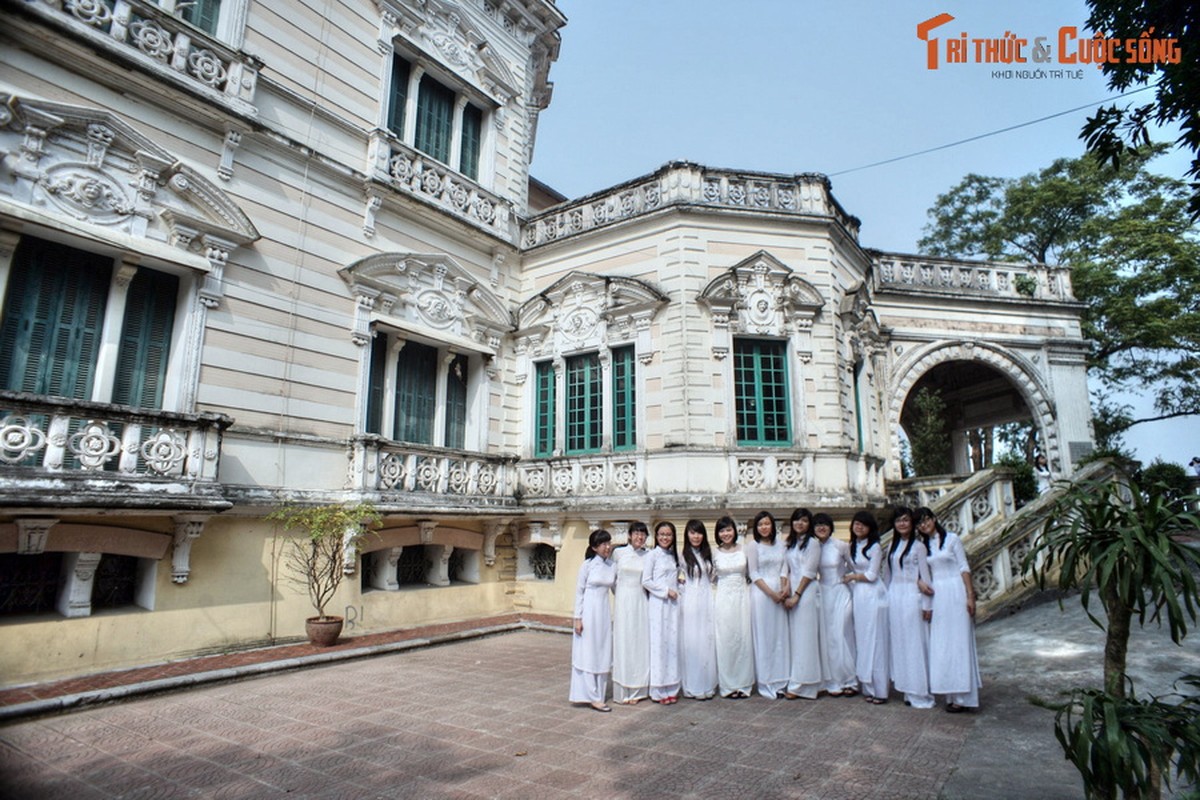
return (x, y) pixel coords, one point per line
(982, 387)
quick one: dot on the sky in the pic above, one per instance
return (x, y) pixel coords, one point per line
(793, 86)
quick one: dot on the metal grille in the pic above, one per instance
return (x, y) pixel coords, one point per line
(29, 584)
(543, 560)
(115, 584)
(412, 566)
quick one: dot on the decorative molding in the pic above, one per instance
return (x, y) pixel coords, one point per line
(188, 528)
(32, 533)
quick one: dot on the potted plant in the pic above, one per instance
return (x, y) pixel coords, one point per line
(315, 560)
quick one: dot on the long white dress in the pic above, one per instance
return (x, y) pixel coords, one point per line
(631, 628)
(809, 670)
(735, 649)
(660, 573)
(838, 613)
(872, 661)
(769, 621)
(953, 665)
(697, 633)
(909, 630)
(591, 651)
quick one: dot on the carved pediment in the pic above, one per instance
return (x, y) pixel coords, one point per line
(87, 165)
(429, 291)
(583, 309)
(762, 295)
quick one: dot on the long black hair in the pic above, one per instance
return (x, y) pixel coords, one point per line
(897, 513)
(924, 512)
(759, 517)
(670, 526)
(800, 513)
(598, 537)
(868, 519)
(694, 568)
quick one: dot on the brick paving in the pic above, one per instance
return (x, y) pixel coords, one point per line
(486, 717)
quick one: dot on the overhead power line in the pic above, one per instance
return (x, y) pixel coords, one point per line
(990, 133)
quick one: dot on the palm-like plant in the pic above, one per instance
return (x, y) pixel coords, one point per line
(1128, 546)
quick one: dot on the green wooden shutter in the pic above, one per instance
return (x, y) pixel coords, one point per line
(543, 426)
(583, 404)
(472, 134)
(53, 315)
(377, 374)
(416, 389)
(399, 95)
(435, 119)
(624, 399)
(146, 339)
(456, 403)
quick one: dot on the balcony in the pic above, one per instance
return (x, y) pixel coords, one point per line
(984, 279)
(684, 184)
(434, 478)
(56, 452)
(416, 175)
(698, 478)
(162, 44)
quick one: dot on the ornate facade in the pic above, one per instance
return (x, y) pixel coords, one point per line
(247, 262)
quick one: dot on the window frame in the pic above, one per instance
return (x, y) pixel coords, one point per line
(757, 416)
(460, 142)
(104, 385)
(382, 414)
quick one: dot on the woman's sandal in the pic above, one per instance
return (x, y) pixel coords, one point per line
(601, 707)
(849, 693)
(954, 708)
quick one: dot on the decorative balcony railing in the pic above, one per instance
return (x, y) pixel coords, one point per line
(991, 279)
(680, 183)
(54, 449)
(996, 535)
(163, 42)
(417, 175)
(746, 476)
(432, 476)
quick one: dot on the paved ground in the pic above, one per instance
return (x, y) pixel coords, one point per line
(486, 717)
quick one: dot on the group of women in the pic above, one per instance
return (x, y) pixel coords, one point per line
(790, 614)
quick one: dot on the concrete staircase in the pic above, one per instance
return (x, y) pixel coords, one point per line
(997, 535)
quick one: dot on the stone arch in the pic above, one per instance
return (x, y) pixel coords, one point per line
(1017, 369)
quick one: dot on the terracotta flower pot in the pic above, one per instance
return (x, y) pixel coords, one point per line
(323, 632)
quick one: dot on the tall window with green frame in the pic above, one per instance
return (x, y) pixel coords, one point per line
(761, 392)
(544, 408)
(624, 399)
(145, 339)
(435, 119)
(416, 390)
(584, 404)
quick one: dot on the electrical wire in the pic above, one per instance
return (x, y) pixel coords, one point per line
(990, 133)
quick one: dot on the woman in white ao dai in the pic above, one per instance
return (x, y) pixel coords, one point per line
(808, 668)
(766, 560)
(631, 624)
(660, 577)
(697, 630)
(591, 646)
(735, 651)
(908, 600)
(836, 610)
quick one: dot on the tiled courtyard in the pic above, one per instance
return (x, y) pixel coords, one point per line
(487, 718)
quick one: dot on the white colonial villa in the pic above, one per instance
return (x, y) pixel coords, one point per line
(266, 253)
